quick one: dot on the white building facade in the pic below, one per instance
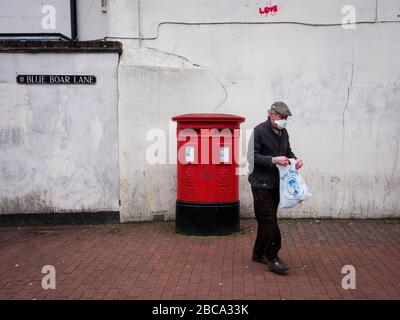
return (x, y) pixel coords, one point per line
(86, 148)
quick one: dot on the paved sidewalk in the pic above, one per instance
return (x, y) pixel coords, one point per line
(149, 261)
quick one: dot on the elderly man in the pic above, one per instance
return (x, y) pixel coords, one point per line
(271, 147)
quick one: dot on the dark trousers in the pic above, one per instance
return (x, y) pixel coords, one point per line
(268, 241)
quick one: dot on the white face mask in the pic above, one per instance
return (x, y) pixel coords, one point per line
(281, 123)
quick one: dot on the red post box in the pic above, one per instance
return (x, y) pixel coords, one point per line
(207, 180)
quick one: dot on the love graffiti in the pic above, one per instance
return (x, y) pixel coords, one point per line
(269, 9)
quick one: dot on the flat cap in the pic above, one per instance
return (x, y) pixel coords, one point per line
(281, 108)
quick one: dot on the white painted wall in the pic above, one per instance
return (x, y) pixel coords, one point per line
(343, 87)
(22, 16)
(92, 19)
(58, 143)
(32, 16)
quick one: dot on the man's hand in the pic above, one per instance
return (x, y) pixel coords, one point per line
(299, 164)
(283, 161)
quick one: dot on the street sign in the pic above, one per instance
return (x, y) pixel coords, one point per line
(55, 79)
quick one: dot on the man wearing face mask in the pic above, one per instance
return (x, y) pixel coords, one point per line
(271, 147)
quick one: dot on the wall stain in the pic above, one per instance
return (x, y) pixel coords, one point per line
(12, 136)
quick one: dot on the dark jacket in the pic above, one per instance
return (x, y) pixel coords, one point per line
(267, 144)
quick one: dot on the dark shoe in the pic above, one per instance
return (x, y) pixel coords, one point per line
(278, 266)
(261, 259)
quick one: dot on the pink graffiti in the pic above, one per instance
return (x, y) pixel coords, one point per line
(271, 9)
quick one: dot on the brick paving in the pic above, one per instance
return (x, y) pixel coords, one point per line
(150, 261)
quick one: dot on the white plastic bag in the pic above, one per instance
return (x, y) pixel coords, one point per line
(293, 189)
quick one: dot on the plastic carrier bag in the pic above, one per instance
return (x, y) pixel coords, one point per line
(293, 189)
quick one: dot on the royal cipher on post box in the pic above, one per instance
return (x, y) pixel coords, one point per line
(207, 174)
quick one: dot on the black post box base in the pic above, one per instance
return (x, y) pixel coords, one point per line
(207, 219)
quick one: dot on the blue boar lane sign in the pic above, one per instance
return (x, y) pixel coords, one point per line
(55, 79)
